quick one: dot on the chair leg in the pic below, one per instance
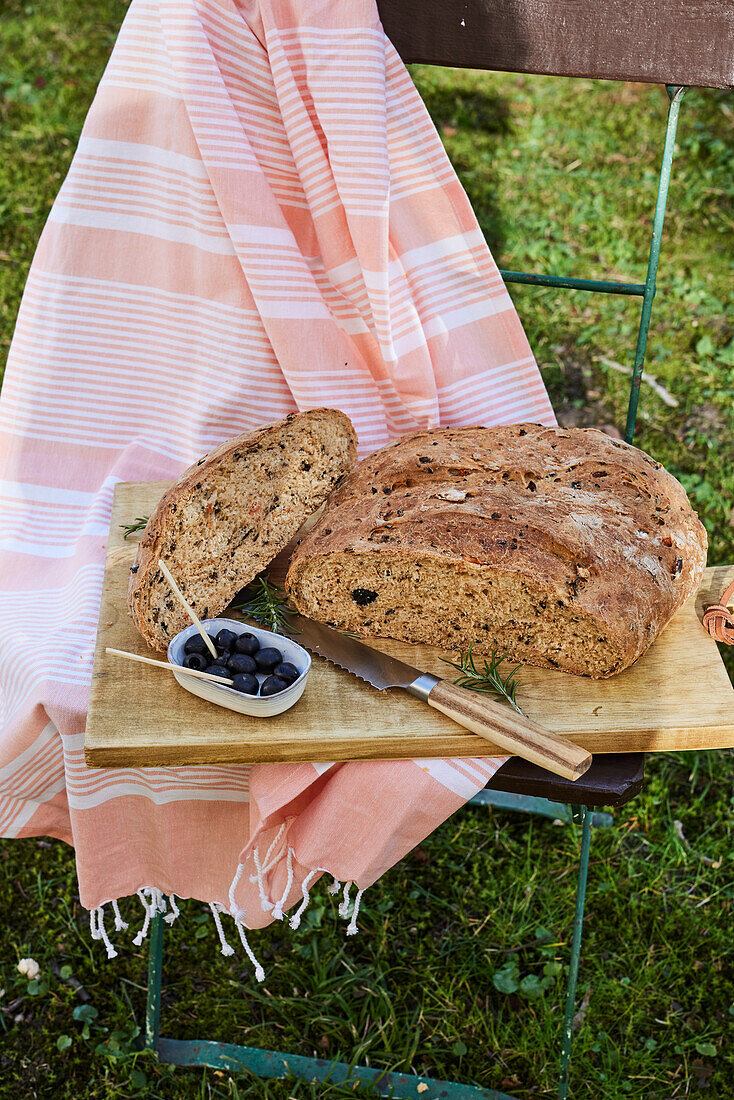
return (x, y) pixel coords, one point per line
(155, 978)
(583, 817)
(675, 95)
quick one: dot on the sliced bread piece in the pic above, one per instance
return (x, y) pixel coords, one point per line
(564, 548)
(231, 513)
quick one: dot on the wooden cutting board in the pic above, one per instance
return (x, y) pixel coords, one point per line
(678, 696)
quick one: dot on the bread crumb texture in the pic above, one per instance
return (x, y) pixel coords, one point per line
(563, 547)
(231, 513)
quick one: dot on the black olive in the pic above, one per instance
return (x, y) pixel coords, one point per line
(195, 644)
(273, 686)
(363, 596)
(246, 643)
(246, 683)
(196, 661)
(219, 670)
(286, 671)
(226, 639)
(268, 658)
(241, 662)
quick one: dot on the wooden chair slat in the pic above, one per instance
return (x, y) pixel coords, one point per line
(660, 41)
(611, 780)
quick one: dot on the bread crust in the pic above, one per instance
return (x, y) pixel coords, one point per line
(600, 524)
(193, 484)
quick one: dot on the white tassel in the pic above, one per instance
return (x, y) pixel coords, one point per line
(278, 911)
(265, 904)
(227, 949)
(239, 916)
(344, 906)
(175, 911)
(271, 858)
(352, 926)
(259, 972)
(120, 924)
(98, 931)
(149, 912)
(111, 953)
(233, 887)
(267, 862)
(295, 920)
(335, 886)
(153, 903)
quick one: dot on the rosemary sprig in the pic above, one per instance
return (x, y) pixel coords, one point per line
(139, 524)
(487, 679)
(266, 603)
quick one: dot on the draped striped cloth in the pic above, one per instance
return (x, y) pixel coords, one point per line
(259, 218)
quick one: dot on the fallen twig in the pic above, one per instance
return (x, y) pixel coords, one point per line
(71, 981)
(583, 1009)
(665, 395)
(678, 830)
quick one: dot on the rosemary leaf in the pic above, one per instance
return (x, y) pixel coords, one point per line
(139, 524)
(487, 679)
(266, 604)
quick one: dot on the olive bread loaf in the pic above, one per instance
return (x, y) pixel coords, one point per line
(565, 548)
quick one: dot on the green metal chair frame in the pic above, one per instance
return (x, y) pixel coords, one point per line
(271, 1064)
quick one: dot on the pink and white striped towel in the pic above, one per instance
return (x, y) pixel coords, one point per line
(260, 217)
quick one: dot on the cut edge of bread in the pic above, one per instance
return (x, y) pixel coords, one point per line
(425, 601)
(231, 513)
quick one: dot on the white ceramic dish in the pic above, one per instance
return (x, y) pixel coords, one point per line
(225, 696)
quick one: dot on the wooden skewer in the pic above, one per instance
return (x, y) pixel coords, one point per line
(192, 614)
(168, 665)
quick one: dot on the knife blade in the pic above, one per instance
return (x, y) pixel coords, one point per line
(509, 731)
(369, 664)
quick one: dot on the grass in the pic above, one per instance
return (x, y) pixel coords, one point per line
(562, 175)
(438, 981)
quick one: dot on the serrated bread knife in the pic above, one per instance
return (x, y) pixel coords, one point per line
(511, 732)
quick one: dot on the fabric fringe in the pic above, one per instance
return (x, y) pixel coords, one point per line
(267, 864)
(175, 911)
(352, 929)
(98, 931)
(344, 905)
(278, 910)
(259, 972)
(216, 909)
(296, 918)
(120, 924)
(155, 902)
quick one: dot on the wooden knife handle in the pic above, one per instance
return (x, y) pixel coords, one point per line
(510, 731)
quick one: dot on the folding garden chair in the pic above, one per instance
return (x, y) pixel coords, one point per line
(678, 43)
